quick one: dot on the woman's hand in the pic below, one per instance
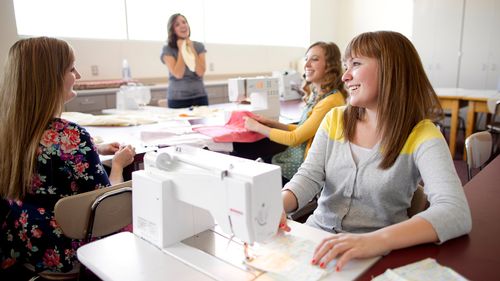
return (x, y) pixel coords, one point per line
(254, 126)
(190, 46)
(123, 157)
(108, 148)
(251, 124)
(347, 246)
(283, 224)
(262, 119)
(180, 41)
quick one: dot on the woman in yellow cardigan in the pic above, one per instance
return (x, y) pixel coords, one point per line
(324, 91)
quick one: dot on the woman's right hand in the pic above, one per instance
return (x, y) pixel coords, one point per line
(124, 156)
(179, 43)
(283, 223)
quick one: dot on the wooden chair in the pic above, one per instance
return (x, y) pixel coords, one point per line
(418, 204)
(494, 125)
(91, 214)
(478, 148)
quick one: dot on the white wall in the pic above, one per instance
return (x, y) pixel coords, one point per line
(358, 16)
(8, 31)
(331, 20)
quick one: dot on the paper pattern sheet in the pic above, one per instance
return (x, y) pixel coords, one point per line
(427, 269)
(288, 257)
(86, 119)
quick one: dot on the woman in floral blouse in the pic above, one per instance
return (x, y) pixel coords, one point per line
(43, 157)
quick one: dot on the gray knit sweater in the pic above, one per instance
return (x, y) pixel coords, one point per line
(363, 198)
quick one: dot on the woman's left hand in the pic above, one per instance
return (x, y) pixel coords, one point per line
(190, 46)
(347, 246)
(108, 148)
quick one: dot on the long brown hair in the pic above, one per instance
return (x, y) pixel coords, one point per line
(172, 37)
(406, 96)
(333, 71)
(30, 97)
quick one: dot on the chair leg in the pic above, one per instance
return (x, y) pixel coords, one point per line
(494, 147)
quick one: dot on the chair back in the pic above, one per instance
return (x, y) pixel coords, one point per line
(95, 213)
(494, 108)
(418, 203)
(478, 150)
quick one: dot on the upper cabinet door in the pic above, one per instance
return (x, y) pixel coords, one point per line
(480, 45)
(437, 27)
(493, 77)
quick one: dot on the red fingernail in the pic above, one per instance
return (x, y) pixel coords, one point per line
(337, 268)
(281, 225)
(313, 261)
(322, 265)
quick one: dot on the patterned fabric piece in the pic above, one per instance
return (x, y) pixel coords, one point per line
(292, 157)
(67, 164)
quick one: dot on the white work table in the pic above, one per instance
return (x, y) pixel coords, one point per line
(290, 113)
(125, 256)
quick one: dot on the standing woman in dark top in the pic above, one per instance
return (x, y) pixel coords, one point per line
(43, 158)
(186, 63)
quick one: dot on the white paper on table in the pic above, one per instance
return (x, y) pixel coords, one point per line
(288, 257)
(168, 129)
(427, 269)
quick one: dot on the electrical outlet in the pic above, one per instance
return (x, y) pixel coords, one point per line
(211, 66)
(94, 70)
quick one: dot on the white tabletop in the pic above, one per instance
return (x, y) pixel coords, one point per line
(125, 256)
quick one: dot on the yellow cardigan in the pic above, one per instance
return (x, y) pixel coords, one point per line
(296, 135)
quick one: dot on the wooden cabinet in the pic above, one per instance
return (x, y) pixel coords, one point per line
(158, 93)
(91, 103)
(437, 31)
(481, 45)
(217, 93)
(94, 101)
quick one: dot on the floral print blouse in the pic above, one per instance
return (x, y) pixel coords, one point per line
(67, 164)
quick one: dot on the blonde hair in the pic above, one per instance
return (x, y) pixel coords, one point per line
(30, 97)
(406, 96)
(333, 71)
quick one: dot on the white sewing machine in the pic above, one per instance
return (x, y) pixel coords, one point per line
(290, 82)
(175, 201)
(131, 97)
(261, 92)
(183, 189)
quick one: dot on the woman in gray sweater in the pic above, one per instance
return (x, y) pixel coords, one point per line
(368, 157)
(186, 63)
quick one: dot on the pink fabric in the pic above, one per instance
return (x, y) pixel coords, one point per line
(233, 131)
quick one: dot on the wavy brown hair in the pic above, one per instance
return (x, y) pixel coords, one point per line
(333, 71)
(30, 97)
(172, 37)
(405, 97)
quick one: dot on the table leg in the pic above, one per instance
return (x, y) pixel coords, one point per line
(454, 106)
(471, 119)
(470, 123)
